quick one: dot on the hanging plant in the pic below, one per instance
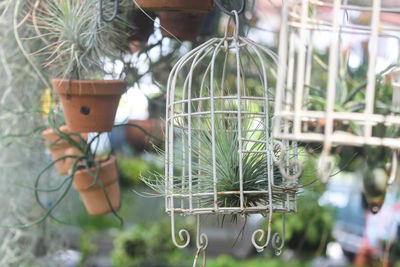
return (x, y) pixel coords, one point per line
(97, 201)
(79, 46)
(220, 157)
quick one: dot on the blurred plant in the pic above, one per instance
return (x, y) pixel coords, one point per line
(77, 42)
(21, 147)
(147, 245)
(310, 228)
(132, 168)
(267, 261)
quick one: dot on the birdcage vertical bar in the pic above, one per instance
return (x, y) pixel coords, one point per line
(239, 115)
(395, 81)
(290, 78)
(371, 77)
(280, 82)
(332, 77)
(268, 141)
(183, 151)
(169, 146)
(309, 63)
(167, 160)
(189, 110)
(212, 109)
(298, 104)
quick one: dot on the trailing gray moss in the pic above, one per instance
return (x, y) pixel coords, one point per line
(21, 149)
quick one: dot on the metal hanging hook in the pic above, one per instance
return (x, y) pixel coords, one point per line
(230, 13)
(115, 13)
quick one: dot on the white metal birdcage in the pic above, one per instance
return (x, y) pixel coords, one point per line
(220, 157)
(320, 40)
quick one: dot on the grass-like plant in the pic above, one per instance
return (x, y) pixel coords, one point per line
(76, 41)
(227, 161)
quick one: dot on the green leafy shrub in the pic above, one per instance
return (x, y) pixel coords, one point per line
(268, 261)
(147, 245)
(131, 168)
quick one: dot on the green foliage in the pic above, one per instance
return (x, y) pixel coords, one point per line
(76, 40)
(130, 169)
(147, 245)
(86, 247)
(254, 165)
(267, 261)
(305, 229)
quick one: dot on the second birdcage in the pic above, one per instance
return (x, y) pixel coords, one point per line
(334, 87)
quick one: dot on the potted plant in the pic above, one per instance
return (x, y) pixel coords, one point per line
(193, 6)
(79, 45)
(98, 185)
(95, 178)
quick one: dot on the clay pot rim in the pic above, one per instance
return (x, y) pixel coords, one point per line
(82, 187)
(89, 87)
(54, 141)
(48, 133)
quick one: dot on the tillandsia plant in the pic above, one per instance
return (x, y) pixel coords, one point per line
(81, 49)
(75, 45)
(255, 177)
(77, 42)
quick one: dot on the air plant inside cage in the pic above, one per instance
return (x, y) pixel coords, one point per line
(256, 179)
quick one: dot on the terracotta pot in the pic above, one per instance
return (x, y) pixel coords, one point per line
(89, 105)
(140, 30)
(142, 26)
(138, 140)
(185, 26)
(60, 147)
(93, 196)
(194, 6)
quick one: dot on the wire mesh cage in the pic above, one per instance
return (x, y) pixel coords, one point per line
(333, 87)
(220, 157)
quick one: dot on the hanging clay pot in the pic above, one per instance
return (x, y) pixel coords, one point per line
(138, 139)
(184, 26)
(89, 105)
(60, 147)
(92, 194)
(195, 6)
(141, 29)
